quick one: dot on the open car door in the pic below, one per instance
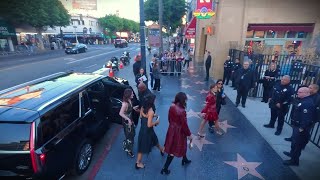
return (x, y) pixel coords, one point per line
(115, 87)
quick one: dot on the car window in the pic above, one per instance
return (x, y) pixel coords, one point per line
(85, 103)
(57, 119)
(14, 137)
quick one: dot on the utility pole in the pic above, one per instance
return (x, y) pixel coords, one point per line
(160, 24)
(142, 36)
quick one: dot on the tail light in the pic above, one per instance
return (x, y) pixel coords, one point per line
(34, 156)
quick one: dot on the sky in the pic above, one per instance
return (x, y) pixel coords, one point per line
(128, 9)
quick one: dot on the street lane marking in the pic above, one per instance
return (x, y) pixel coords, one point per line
(91, 66)
(69, 59)
(91, 57)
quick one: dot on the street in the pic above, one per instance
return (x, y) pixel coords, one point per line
(17, 70)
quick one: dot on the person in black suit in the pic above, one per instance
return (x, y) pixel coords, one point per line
(235, 68)
(208, 65)
(245, 80)
(269, 79)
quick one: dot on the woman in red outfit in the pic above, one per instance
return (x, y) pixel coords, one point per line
(209, 112)
(178, 132)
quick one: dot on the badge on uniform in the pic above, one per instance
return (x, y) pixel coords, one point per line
(299, 104)
(242, 77)
(285, 89)
(305, 110)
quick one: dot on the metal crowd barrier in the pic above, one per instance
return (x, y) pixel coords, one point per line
(170, 67)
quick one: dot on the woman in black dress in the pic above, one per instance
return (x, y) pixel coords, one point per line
(147, 138)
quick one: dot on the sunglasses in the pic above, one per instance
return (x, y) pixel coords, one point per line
(219, 83)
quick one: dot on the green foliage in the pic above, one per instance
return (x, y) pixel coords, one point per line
(116, 24)
(37, 13)
(173, 11)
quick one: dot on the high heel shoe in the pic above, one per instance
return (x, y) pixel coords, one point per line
(162, 152)
(130, 153)
(165, 171)
(185, 162)
(200, 135)
(137, 167)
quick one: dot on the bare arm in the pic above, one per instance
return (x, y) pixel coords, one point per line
(122, 110)
(150, 117)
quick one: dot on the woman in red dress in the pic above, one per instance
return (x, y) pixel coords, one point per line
(178, 132)
(209, 112)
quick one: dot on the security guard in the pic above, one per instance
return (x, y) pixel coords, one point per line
(279, 103)
(302, 121)
(269, 79)
(245, 80)
(227, 70)
(235, 68)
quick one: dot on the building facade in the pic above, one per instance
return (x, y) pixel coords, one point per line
(267, 26)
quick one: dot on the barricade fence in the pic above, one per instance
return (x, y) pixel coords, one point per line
(295, 66)
(171, 66)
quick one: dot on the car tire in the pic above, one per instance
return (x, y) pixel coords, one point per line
(82, 160)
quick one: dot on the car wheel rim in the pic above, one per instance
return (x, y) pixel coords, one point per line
(85, 156)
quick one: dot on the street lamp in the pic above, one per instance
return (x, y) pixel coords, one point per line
(75, 32)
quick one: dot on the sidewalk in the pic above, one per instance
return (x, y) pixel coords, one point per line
(258, 113)
(241, 153)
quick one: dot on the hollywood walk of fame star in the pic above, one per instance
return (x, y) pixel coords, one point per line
(195, 75)
(199, 82)
(199, 142)
(184, 78)
(245, 167)
(192, 113)
(203, 91)
(185, 86)
(190, 97)
(225, 126)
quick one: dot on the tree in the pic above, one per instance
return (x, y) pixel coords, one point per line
(115, 24)
(173, 11)
(37, 13)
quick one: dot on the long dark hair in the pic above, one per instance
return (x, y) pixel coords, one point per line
(127, 95)
(148, 102)
(181, 99)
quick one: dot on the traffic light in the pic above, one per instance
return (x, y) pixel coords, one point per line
(209, 30)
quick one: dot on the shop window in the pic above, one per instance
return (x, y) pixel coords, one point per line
(302, 34)
(291, 34)
(250, 34)
(281, 34)
(259, 34)
(270, 34)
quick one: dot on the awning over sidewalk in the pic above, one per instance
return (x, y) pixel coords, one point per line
(191, 29)
(308, 27)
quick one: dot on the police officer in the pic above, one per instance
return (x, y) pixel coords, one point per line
(314, 94)
(268, 82)
(208, 65)
(302, 122)
(279, 103)
(227, 70)
(236, 66)
(245, 80)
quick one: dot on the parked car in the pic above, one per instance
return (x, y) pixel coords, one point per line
(120, 43)
(76, 49)
(48, 126)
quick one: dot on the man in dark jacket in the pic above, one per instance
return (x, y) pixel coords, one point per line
(208, 65)
(302, 121)
(245, 80)
(235, 68)
(137, 65)
(279, 103)
(228, 64)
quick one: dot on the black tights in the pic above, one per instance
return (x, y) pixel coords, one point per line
(169, 160)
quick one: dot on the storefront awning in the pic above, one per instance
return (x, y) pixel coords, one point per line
(308, 27)
(191, 29)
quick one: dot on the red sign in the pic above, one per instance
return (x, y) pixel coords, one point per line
(204, 9)
(191, 29)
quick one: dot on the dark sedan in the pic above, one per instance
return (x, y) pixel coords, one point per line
(75, 49)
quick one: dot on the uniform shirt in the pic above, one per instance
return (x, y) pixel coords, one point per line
(304, 113)
(282, 94)
(270, 73)
(245, 79)
(228, 65)
(236, 66)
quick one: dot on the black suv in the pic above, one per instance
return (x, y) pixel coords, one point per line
(48, 126)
